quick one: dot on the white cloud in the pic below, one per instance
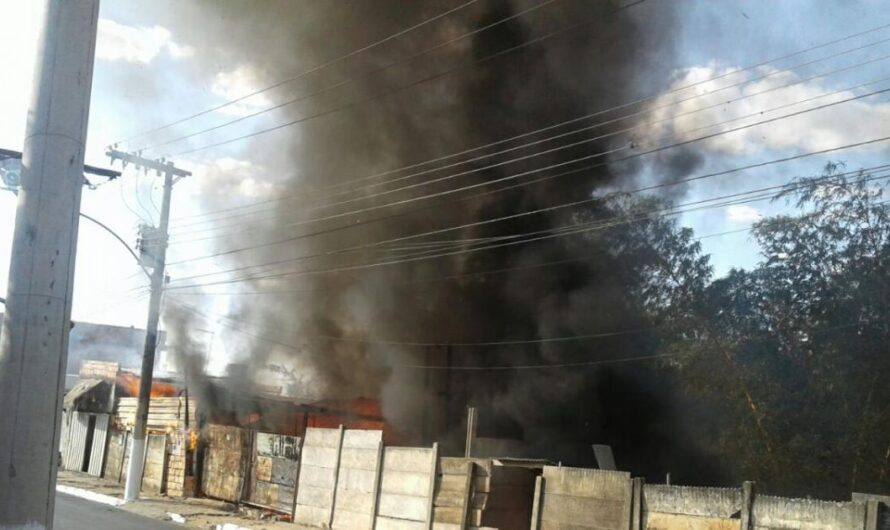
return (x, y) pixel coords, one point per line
(238, 83)
(136, 44)
(842, 124)
(743, 214)
(228, 177)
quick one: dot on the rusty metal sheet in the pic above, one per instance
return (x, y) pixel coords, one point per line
(273, 471)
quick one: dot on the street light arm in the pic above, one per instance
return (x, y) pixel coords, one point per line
(119, 238)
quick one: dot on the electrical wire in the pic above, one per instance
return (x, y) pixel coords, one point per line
(351, 80)
(391, 91)
(597, 113)
(638, 190)
(293, 78)
(588, 157)
(438, 246)
(599, 137)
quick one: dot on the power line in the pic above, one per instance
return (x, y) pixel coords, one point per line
(440, 278)
(669, 210)
(586, 140)
(425, 344)
(576, 160)
(351, 80)
(600, 112)
(545, 366)
(355, 190)
(638, 190)
(304, 73)
(391, 91)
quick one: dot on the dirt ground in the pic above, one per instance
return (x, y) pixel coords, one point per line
(205, 514)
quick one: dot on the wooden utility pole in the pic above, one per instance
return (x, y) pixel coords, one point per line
(34, 335)
(157, 250)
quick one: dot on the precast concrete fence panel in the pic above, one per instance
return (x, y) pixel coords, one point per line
(357, 480)
(405, 498)
(578, 499)
(779, 513)
(320, 460)
(667, 507)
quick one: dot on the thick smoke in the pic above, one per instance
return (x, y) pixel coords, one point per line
(341, 322)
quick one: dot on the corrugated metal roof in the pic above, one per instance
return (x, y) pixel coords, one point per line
(82, 388)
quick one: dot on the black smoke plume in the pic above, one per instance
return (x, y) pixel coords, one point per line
(341, 325)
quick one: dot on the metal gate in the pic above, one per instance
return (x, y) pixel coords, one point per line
(100, 442)
(78, 425)
(274, 464)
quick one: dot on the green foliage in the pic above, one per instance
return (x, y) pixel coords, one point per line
(791, 357)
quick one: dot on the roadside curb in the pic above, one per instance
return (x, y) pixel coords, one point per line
(89, 495)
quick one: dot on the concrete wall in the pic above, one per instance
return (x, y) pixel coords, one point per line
(318, 477)
(114, 462)
(405, 500)
(775, 513)
(578, 498)
(690, 508)
(176, 461)
(357, 479)
(155, 472)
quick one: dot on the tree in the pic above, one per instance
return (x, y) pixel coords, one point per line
(802, 392)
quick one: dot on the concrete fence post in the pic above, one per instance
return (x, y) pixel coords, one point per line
(536, 503)
(872, 509)
(636, 517)
(293, 510)
(432, 494)
(376, 490)
(747, 515)
(468, 495)
(336, 478)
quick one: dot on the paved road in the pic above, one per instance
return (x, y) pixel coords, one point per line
(77, 514)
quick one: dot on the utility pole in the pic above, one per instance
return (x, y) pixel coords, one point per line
(158, 253)
(34, 334)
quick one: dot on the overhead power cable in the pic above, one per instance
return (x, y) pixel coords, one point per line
(427, 344)
(575, 120)
(473, 274)
(391, 91)
(638, 190)
(340, 84)
(643, 125)
(563, 164)
(300, 75)
(356, 189)
(381, 245)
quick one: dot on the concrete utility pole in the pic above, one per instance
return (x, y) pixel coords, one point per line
(158, 244)
(34, 335)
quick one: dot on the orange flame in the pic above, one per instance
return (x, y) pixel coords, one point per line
(130, 384)
(193, 440)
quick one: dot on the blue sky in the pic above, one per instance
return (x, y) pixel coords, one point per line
(145, 75)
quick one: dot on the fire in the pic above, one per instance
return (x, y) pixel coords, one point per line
(130, 384)
(193, 440)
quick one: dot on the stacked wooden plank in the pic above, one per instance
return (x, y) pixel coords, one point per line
(164, 413)
(455, 493)
(91, 369)
(476, 493)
